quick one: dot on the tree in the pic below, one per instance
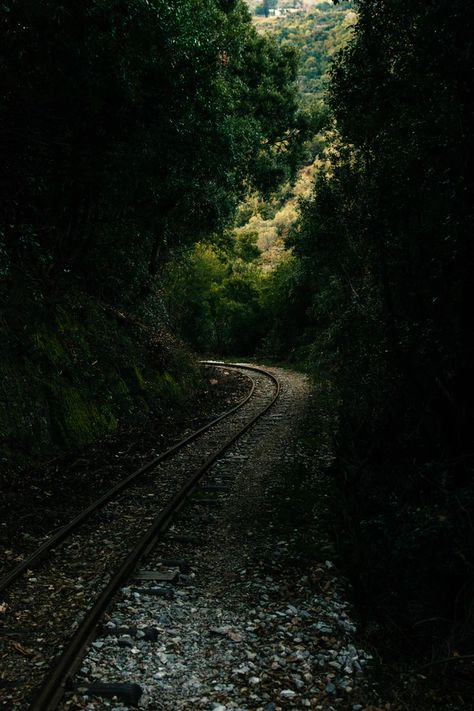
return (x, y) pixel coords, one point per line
(128, 127)
(387, 257)
(213, 296)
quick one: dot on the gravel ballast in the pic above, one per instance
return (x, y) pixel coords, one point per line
(243, 623)
(42, 608)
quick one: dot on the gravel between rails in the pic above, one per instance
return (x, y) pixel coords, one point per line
(40, 612)
(246, 626)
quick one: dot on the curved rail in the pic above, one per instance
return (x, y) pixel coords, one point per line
(53, 690)
(99, 503)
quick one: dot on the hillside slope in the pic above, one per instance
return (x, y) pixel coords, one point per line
(73, 372)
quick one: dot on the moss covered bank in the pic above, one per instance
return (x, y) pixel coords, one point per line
(73, 372)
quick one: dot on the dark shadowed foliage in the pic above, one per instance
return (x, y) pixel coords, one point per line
(128, 127)
(383, 268)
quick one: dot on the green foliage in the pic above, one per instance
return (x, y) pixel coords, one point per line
(73, 373)
(213, 296)
(384, 260)
(316, 35)
(285, 304)
(130, 127)
(272, 219)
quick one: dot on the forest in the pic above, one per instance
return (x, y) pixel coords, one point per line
(180, 178)
(129, 133)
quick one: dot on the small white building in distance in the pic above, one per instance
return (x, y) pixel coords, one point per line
(281, 12)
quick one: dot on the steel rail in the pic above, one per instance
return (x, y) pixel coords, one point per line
(55, 686)
(57, 538)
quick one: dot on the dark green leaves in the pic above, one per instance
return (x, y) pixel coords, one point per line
(129, 126)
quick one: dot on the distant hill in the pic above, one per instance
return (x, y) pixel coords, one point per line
(317, 28)
(317, 31)
(317, 34)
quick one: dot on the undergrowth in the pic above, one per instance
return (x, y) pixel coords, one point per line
(404, 539)
(73, 371)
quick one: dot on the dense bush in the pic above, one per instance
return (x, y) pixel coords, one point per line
(213, 296)
(383, 265)
(75, 371)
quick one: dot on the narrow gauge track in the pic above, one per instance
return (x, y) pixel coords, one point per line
(81, 566)
(64, 532)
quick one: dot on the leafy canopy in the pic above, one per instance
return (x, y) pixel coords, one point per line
(129, 126)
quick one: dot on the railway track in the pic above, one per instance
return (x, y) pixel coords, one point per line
(88, 560)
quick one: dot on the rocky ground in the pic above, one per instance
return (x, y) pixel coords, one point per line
(41, 609)
(249, 619)
(257, 615)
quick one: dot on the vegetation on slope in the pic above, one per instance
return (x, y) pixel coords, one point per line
(127, 130)
(317, 35)
(199, 285)
(74, 371)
